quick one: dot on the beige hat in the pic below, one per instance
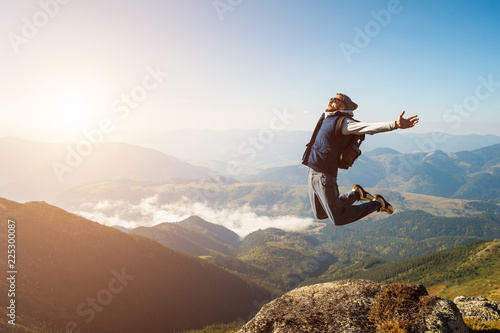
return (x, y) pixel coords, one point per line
(348, 101)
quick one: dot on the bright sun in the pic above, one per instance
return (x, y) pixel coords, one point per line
(74, 111)
(73, 114)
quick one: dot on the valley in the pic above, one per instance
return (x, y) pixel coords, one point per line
(187, 240)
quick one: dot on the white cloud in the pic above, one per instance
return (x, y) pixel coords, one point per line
(148, 212)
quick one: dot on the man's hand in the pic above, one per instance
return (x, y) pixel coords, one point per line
(406, 122)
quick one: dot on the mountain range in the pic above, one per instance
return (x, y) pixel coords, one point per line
(465, 174)
(38, 171)
(264, 256)
(80, 274)
(77, 274)
(466, 270)
(172, 264)
(42, 170)
(242, 207)
(280, 260)
(468, 175)
(414, 233)
(284, 146)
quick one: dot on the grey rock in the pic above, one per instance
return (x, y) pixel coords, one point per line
(478, 308)
(461, 299)
(356, 306)
(445, 317)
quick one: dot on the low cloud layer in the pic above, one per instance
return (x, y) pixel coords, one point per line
(148, 212)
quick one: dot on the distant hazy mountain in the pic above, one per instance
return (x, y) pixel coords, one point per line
(444, 174)
(214, 231)
(217, 195)
(292, 174)
(193, 236)
(262, 148)
(465, 174)
(37, 171)
(74, 273)
(241, 207)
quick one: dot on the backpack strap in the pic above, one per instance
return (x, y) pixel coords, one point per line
(338, 126)
(305, 157)
(338, 130)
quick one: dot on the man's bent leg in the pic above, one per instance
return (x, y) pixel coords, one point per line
(326, 189)
(349, 198)
(357, 212)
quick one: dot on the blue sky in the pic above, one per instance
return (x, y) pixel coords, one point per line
(241, 63)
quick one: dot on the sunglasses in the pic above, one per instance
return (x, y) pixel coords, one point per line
(333, 99)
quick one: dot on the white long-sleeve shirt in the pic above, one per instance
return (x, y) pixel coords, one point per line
(358, 127)
(351, 126)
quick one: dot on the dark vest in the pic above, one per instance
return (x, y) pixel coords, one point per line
(325, 149)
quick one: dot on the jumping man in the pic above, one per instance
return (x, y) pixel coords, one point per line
(323, 164)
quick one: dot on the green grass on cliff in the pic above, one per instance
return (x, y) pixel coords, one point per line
(468, 270)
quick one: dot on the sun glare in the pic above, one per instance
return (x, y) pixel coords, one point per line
(74, 111)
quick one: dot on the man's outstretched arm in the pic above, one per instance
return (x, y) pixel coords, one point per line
(359, 127)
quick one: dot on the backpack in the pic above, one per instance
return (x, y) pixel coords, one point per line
(348, 153)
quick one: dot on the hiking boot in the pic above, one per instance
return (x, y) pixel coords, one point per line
(363, 195)
(385, 206)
